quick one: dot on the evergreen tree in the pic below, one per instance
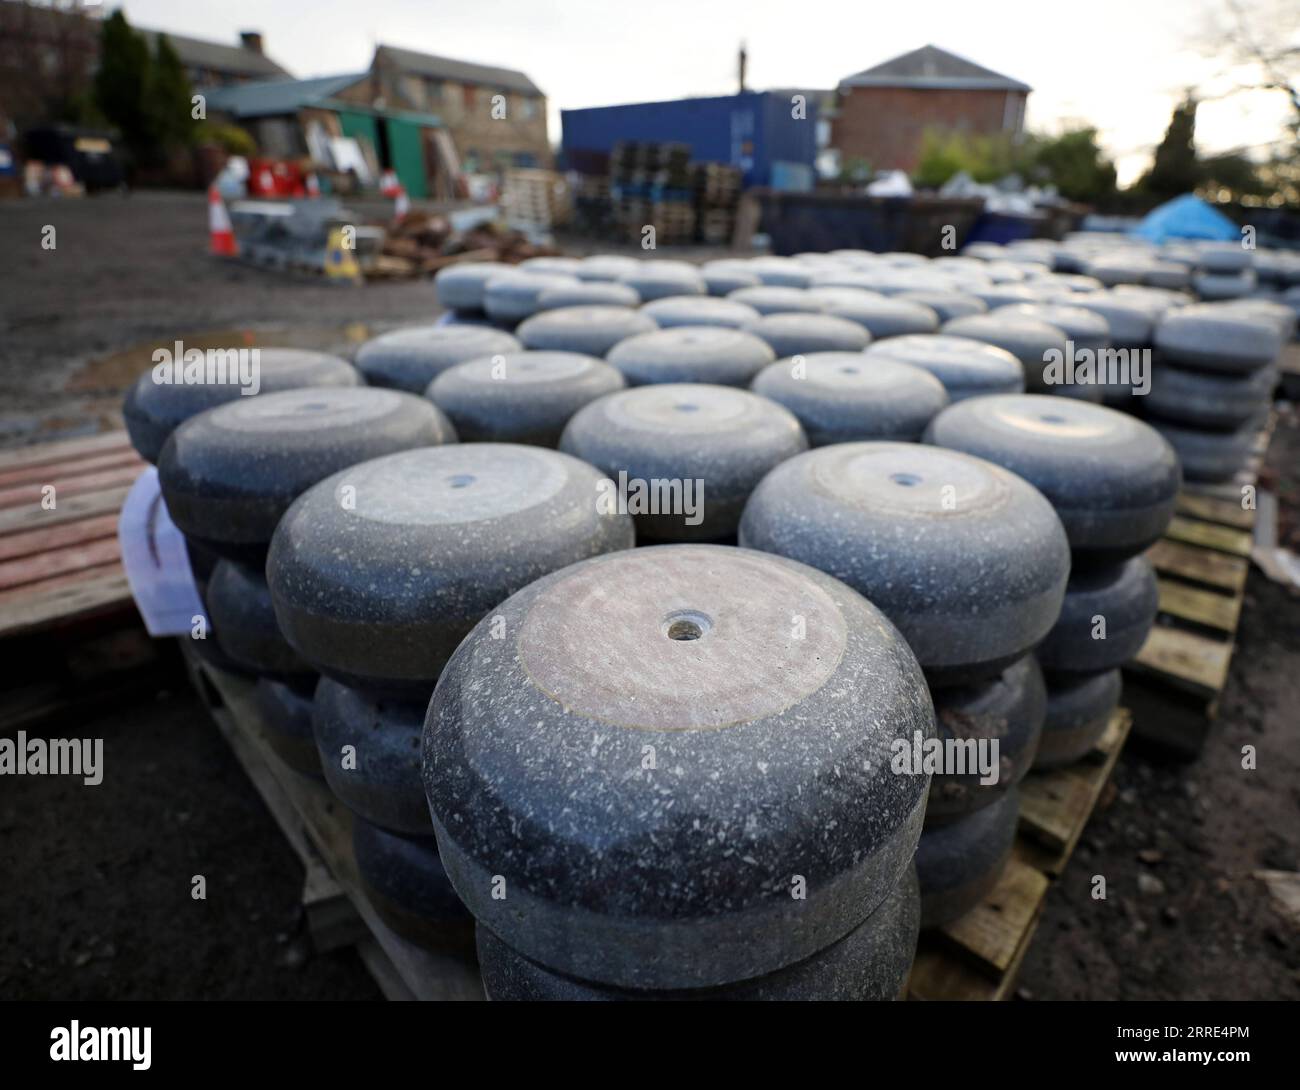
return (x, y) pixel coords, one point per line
(1174, 170)
(120, 81)
(168, 99)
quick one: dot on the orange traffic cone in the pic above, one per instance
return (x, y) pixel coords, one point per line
(221, 234)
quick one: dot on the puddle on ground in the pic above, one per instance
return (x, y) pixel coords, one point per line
(119, 370)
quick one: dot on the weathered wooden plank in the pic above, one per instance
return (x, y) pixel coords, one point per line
(28, 570)
(1209, 535)
(1229, 512)
(996, 929)
(1200, 565)
(24, 494)
(39, 454)
(1204, 607)
(1191, 661)
(31, 542)
(80, 467)
(69, 509)
(74, 596)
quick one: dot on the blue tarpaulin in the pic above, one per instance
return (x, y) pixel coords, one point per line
(1186, 217)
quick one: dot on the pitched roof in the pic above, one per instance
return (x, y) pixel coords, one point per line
(281, 96)
(932, 68)
(425, 64)
(239, 59)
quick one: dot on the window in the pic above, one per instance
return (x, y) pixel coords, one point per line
(467, 96)
(528, 107)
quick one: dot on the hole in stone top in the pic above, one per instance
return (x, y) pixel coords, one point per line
(314, 407)
(1052, 418)
(687, 407)
(848, 371)
(907, 480)
(686, 625)
(461, 480)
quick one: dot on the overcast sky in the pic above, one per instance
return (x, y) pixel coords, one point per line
(1117, 64)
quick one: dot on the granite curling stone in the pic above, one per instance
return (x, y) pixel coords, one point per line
(1112, 479)
(154, 409)
(1105, 618)
(591, 331)
(284, 713)
(664, 746)
(228, 475)
(797, 334)
(966, 368)
(1030, 340)
(410, 359)
(967, 560)
(1203, 399)
(522, 397)
(243, 621)
(1218, 338)
(369, 747)
(693, 310)
(871, 963)
(716, 355)
(1079, 709)
(1009, 709)
(405, 882)
(683, 458)
(841, 397)
(378, 572)
(957, 864)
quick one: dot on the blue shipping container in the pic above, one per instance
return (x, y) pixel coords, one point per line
(750, 131)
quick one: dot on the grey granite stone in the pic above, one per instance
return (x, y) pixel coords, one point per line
(1204, 399)
(285, 716)
(689, 310)
(462, 286)
(798, 334)
(591, 330)
(959, 863)
(1028, 339)
(1210, 456)
(767, 299)
(410, 359)
(378, 572)
(886, 317)
(1111, 478)
(966, 368)
(717, 355)
(669, 747)
(1125, 596)
(1078, 711)
(243, 622)
(512, 295)
(966, 559)
(590, 293)
(720, 436)
(229, 474)
(660, 279)
(1218, 338)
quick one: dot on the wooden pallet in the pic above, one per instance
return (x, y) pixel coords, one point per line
(1175, 682)
(979, 956)
(63, 564)
(319, 828)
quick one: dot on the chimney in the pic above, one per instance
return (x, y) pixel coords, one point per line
(744, 58)
(251, 39)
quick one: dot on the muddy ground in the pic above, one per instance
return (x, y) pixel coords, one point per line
(97, 880)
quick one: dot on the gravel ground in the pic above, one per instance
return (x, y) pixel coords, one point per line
(99, 899)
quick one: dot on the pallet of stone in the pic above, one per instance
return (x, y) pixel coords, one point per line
(319, 829)
(978, 957)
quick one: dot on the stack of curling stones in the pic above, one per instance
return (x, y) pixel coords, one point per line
(229, 473)
(665, 774)
(969, 562)
(1213, 380)
(376, 574)
(1113, 481)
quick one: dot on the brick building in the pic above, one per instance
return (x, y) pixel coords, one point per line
(884, 111)
(461, 96)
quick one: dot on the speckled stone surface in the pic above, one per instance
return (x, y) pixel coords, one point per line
(767, 299)
(1213, 457)
(958, 863)
(1010, 708)
(1132, 321)
(405, 882)
(781, 272)
(1085, 328)
(1125, 595)
(511, 296)
(689, 310)
(724, 437)
(590, 293)
(605, 267)
(285, 713)
(1078, 710)
(1218, 338)
(842, 397)
(884, 317)
(243, 622)
(797, 334)
(870, 963)
(966, 368)
(945, 304)
(461, 286)
(722, 282)
(723, 357)
(522, 397)
(379, 571)
(381, 780)
(660, 279)
(229, 474)
(1203, 399)
(1111, 478)
(410, 359)
(666, 746)
(1028, 339)
(153, 410)
(966, 559)
(1002, 294)
(592, 331)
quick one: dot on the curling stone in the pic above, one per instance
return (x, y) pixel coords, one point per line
(1105, 618)
(723, 357)
(800, 334)
(592, 331)
(966, 368)
(1079, 709)
(410, 359)
(959, 863)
